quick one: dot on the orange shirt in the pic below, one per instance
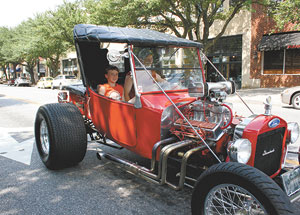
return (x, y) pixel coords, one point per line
(118, 89)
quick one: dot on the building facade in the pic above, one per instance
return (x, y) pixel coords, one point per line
(253, 57)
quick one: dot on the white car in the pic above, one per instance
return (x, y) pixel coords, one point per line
(291, 96)
(61, 81)
(21, 81)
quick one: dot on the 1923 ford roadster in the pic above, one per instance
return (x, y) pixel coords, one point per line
(236, 165)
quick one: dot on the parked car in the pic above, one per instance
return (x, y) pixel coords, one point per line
(61, 81)
(291, 96)
(44, 82)
(11, 82)
(22, 81)
(234, 164)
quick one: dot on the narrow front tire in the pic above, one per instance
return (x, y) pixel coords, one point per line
(234, 188)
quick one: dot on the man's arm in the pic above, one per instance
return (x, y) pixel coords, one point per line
(127, 87)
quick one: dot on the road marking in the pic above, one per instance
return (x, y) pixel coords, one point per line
(17, 144)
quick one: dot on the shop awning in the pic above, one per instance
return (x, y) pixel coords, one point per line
(280, 41)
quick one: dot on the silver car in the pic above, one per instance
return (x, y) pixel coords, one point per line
(291, 96)
(61, 81)
(21, 81)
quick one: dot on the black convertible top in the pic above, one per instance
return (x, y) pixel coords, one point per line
(145, 37)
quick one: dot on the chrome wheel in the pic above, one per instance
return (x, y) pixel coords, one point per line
(296, 101)
(44, 137)
(232, 199)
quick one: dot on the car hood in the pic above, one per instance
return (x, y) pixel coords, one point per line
(291, 90)
(158, 101)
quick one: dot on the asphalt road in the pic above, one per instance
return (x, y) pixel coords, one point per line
(93, 186)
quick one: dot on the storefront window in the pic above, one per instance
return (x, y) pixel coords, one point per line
(282, 62)
(273, 62)
(292, 61)
(226, 55)
(70, 66)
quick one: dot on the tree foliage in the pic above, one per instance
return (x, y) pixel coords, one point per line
(48, 35)
(286, 12)
(185, 18)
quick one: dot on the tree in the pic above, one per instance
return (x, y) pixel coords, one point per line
(7, 48)
(185, 18)
(55, 30)
(284, 12)
(27, 47)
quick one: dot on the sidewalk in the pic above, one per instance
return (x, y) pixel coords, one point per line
(258, 95)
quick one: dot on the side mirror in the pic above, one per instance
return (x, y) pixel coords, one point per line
(198, 89)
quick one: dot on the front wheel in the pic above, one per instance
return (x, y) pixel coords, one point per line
(60, 135)
(234, 188)
(296, 101)
(299, 156)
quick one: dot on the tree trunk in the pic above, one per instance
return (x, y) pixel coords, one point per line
(14, 69)
(31, 72)
(5, 72)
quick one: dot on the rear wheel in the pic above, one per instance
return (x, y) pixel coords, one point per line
(296, 101)
(234, 188)
(60, 135)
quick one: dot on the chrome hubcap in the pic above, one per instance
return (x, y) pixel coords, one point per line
(231, 199)
(44, 137)
(297, 101)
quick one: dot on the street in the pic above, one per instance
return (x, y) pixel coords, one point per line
(93, 186)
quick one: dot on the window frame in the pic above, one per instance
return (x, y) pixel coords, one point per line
(283, 69)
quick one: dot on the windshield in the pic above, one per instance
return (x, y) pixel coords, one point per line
(172, 68)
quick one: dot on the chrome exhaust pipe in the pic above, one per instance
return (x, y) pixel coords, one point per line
(184, 164)
(165, 154)
(158, 145)
(144, 172)
(130, 166)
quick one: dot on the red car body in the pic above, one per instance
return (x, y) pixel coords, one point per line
(183, 119)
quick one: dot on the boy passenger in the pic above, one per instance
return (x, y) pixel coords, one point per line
(111, 89)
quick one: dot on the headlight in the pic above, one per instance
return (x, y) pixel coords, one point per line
(292, 132)
(240, 151)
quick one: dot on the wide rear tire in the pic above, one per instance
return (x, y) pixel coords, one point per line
(60, 135)
(234, 188)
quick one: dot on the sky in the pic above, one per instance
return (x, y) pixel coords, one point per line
(13, 12)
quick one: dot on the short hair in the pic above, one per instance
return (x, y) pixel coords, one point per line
(111, 67)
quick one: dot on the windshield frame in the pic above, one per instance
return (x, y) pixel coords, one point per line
(136, 61)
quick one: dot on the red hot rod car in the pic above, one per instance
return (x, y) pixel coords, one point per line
(236, 165)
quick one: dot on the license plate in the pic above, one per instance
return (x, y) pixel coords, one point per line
(291, 181)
